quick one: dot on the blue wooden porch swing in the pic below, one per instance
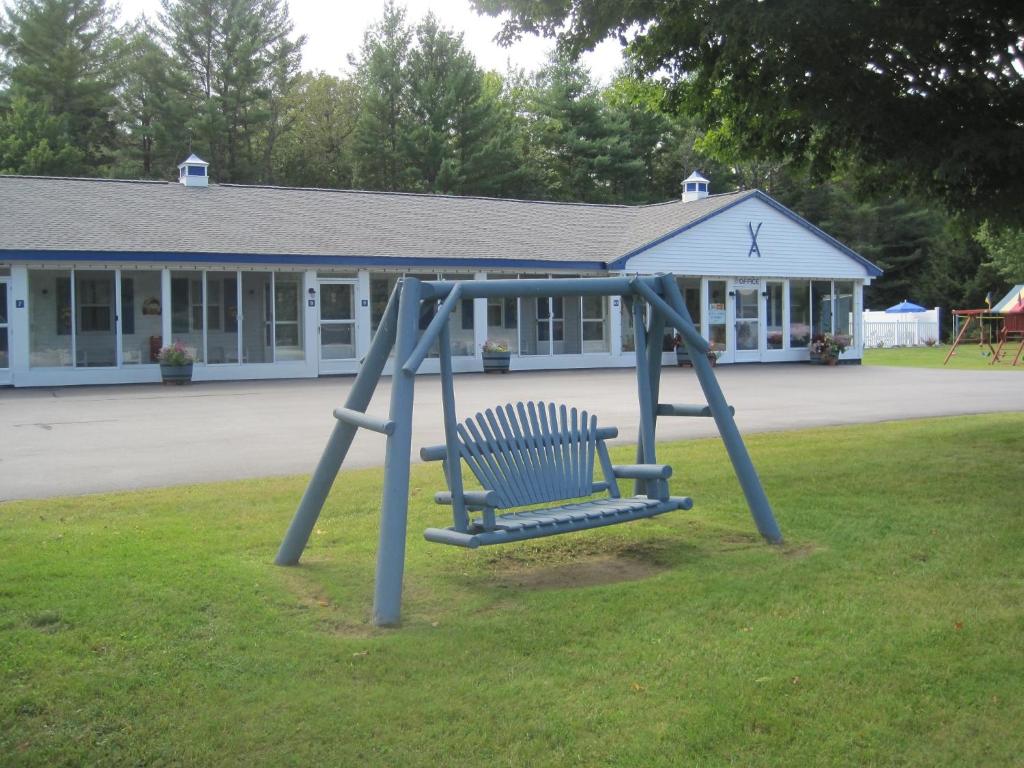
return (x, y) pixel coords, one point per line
(522, 454)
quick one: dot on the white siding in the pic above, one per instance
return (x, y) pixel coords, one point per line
(719, 246)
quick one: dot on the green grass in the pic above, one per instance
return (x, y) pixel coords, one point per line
(150, 628)
(968, 357)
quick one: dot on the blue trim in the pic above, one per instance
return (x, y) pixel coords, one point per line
(286, 259)
(872, 270)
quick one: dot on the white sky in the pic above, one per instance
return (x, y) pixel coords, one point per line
(335, 29)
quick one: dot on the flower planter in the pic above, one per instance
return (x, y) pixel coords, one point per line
(819, 359)
(683, 358)
(497, 362)
(176, 374)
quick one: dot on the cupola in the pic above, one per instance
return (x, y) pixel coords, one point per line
(695, 187)
(193, 172)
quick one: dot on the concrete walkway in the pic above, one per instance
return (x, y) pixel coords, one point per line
(77, 440)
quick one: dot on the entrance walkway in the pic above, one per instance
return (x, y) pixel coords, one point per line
(77, 440)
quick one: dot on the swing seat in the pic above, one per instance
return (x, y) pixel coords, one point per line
(538, 454)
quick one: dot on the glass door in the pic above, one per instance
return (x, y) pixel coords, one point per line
(337, 320)
(5, 338)
(748, 322)
(716, 315)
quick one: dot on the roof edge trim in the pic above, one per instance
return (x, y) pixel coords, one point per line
(289, 259)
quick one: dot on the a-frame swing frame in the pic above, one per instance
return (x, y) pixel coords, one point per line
(399, 330)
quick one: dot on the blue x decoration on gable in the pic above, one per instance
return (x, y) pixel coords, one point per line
(753, 239)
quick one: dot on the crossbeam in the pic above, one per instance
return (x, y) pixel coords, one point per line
(678, 409)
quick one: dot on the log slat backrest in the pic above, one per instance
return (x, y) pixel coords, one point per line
(531, 453)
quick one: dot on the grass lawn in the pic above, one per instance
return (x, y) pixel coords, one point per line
(968, 357)
(151, 628)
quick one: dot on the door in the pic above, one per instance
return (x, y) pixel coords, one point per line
(748, 321)
(716, 319)
(337, 320)
(5, 332)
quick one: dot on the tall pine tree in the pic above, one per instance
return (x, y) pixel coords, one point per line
(383, 127)
(63, 55)
(239, 60)
(154, 111)
(456, 142)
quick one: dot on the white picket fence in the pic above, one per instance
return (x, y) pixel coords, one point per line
(905, 329)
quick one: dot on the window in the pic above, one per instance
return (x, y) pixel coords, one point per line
(844, 307)
(50, 316)
(95, 304)
(821, 307)
(595, 335)
(214, 295)
(195, 295)
(773, 316)
(799, 313)
(287, 316)
(501, 313)
(63, 291)
(503, 320)
(187, 311)
(381, 287)
(628, 337)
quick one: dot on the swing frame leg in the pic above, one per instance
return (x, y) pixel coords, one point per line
(394, 513)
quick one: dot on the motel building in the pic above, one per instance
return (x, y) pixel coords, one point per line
(266, 282)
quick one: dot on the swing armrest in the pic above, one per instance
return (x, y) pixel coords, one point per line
(475, 499)
(642, 471)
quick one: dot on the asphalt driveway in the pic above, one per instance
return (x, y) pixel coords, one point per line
(76, 440)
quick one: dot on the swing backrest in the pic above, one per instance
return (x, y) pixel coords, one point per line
(535, 453)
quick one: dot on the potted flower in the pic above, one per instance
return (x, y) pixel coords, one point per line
(826, 347)
(176, 363)
(683, 354)
(497, 356)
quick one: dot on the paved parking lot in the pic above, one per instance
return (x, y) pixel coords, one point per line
(76, 440)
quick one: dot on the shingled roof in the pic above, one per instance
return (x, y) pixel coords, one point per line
(147, 217)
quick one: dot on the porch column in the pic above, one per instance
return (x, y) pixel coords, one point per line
(479, 320)
(18, 323)
(364, 320)
(615, 325)
(165, 307)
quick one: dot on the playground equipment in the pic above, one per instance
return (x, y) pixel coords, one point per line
(1012, 309)
(997, 328)
(524, 454)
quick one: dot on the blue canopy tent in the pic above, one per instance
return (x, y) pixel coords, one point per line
(905, 306)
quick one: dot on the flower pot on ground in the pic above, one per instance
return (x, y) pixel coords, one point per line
(825, 348)
(497, 357)
(176, 363)
(683, 354)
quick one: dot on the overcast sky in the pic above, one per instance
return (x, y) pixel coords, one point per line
(335, 29)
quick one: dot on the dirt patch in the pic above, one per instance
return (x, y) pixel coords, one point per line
(311, 599)
(799, 551)
(589, 572)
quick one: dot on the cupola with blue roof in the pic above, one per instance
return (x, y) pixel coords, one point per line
(193, 172)
(695, 187)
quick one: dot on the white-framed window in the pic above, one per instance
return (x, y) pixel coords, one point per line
(595, 323)
(95, 304)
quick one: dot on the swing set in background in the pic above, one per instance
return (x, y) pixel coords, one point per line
(999, 328)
